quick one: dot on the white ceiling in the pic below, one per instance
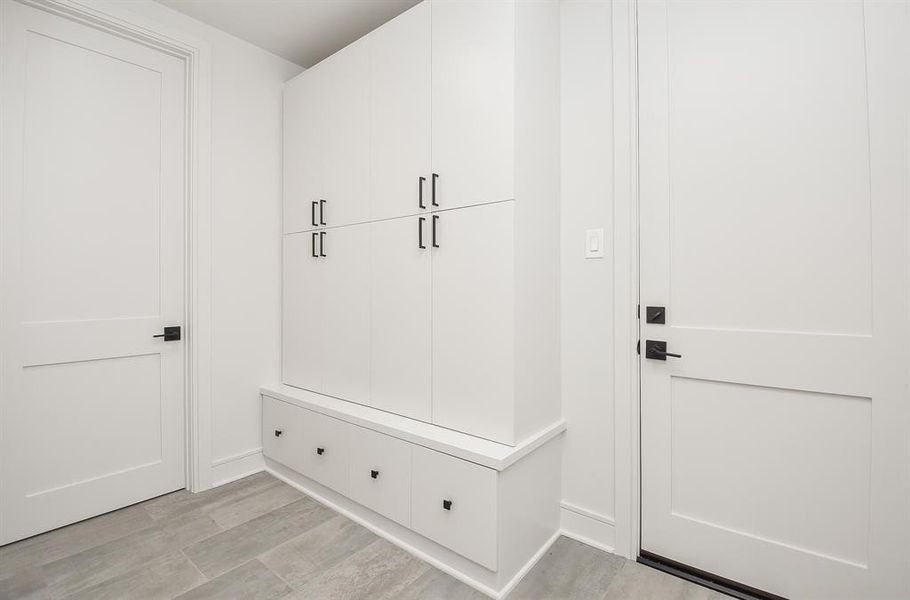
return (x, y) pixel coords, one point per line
(302, 31)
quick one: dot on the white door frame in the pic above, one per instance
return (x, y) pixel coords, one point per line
(196, 56)
(626, 382)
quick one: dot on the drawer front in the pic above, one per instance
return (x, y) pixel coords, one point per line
(283, 432)
(380, 474)
(453, 502)
(326, 450)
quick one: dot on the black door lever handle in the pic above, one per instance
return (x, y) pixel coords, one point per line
(657, 350)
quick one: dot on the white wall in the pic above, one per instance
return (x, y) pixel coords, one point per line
(246, 222)
(587, 293)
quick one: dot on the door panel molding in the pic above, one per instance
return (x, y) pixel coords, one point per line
(196, 55)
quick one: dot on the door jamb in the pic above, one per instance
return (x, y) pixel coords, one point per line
(196, 55)
(626, 384)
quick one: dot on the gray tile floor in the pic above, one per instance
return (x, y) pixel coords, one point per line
(259, 538)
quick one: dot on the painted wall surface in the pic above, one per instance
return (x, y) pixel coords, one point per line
(246, 222)
(587, 294)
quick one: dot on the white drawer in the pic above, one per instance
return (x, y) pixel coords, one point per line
(326, 450)
(380, 474)
(283, 432)
(453, 502)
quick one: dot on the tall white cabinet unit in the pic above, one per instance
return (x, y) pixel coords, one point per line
(421, 174)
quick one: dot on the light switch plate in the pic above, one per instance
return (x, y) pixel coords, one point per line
(594, 243)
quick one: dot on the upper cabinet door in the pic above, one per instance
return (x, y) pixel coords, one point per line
(473, 62)
(400, 114)
(302, 150)
(345, 81)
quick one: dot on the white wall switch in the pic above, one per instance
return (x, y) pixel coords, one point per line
(594, 243)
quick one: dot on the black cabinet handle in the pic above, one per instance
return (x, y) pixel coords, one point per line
(314, 245)
(278, 433)
(313, 213)
(435, 219)
(420, 192)
(322, 212)
(322, 243)
(420, 221)
(320, 451)
(374, 474)
(433, 189)
(447, 504)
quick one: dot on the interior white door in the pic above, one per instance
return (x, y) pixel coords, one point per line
(303, 302)
(473, 89)
(473, 320)
(303, 145)
(774, 227)
(91, 268)
(345, 103)
(346, 313)
(400, 316)
(400, 114)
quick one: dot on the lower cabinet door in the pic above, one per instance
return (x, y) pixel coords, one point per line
(326, 450)
(453, 502)
(283, 432)
(473, 315)
(302, 311)
(380, 474)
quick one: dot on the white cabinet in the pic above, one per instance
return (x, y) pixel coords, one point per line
(445, 120)
(473, 321)
(380, 474)
(400, 316)
(453, 502)
(326, 450)
(400, 114)
(346, 312)
(302, 307)
(473, 94)
(283, 434)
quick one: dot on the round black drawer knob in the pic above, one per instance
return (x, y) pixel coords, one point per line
(447, 504)
(278, 433)
(374, 474)
(320, 451)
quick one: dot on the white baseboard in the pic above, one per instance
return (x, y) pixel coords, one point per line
(231, 468)
(588, 527)
(505, 591)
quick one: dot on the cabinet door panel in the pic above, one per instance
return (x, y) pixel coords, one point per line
(346, 339)
(302, 149)
(302, 308)
(473, 321)
(473, 101)
(400, 296)
(346, 135)
(400, 113)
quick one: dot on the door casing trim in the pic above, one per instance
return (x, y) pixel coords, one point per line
(196, 55)
(626, 380)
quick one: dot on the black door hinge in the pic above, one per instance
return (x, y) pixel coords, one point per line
(638, 348)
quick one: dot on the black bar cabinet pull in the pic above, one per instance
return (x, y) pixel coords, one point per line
(433, 189)
(420, 221)
(322, 212)
(322, 243)
(435, 219)
(420, 192)
(313, 213)
(314, 245)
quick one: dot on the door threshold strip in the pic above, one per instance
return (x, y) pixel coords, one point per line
(704, 579)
